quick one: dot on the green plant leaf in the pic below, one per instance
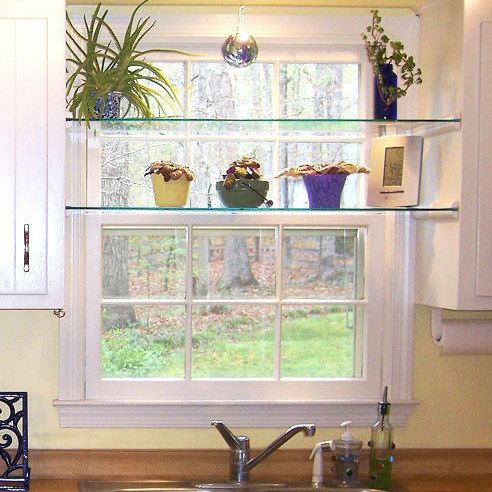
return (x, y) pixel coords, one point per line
(99, 67)
(380, 50)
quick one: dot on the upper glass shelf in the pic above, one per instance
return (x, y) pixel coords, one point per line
(286, 126)
(450, 209)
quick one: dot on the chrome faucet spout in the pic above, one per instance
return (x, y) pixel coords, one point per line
(226, 433)
(308, 429)
(240, 453)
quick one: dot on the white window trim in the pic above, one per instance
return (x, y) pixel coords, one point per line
(397, 263)
(76, 410)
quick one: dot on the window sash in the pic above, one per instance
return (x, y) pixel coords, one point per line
(238, 390)
(188, 136)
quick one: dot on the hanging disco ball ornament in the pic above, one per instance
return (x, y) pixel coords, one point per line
(241, 49)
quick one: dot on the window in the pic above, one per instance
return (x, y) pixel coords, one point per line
(179, 330)
(212, 314)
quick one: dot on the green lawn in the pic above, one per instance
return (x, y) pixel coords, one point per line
(316, 345)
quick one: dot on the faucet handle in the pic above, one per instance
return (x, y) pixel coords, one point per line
(230, 438)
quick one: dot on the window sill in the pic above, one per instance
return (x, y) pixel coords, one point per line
(193, 414)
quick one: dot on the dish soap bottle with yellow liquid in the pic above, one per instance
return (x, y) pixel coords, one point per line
(381, 444)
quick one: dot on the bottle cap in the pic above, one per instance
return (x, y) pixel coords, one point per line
(383, 404)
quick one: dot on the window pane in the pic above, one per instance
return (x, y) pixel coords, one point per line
(174, 72)
(319, 90)
(123, 163)
(222, 91)
(320, 264)
(234, 264)
(233, 341)
(142, 341)
(318, 342)
(211, 160)
(138, 263)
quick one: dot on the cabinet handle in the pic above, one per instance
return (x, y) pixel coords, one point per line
(26, 247)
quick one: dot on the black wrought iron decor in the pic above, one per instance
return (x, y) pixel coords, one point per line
(13, 441)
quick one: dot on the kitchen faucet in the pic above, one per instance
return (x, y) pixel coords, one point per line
(241, 462)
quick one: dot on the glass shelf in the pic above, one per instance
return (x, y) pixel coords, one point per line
(112, 155)
(356, 127)
(262, 209)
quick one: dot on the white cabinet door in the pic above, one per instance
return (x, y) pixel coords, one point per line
(476, 242)
(454, 258)
(31, 154)
(484, 246)
(7, 159)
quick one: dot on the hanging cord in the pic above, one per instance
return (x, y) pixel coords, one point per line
(239, 27)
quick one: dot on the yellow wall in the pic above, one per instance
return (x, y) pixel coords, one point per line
(455, 395)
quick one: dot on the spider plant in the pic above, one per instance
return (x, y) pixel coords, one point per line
(116, 65)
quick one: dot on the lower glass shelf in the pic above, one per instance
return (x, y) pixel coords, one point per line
(417, 209)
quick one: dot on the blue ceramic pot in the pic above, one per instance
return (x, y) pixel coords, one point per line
(111, 108)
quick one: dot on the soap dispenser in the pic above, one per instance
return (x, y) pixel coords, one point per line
(346, 455)
(381, 444)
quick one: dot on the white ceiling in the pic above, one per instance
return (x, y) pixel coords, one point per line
(413, 4)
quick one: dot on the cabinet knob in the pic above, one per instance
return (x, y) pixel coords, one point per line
(59, 313)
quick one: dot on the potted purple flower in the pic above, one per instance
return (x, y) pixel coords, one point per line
(324, 182)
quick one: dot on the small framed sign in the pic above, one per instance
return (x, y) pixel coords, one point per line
(394, 180)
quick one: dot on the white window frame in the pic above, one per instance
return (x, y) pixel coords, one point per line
(390, 246)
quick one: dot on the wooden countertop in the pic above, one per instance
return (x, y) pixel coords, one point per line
(53, 486)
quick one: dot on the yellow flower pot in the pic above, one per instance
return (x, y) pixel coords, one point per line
(172, 193)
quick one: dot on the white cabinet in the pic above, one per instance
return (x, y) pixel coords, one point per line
(454, 259)
(31, 153)
(480, 149)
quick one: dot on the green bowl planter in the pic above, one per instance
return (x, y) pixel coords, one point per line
(244, 193)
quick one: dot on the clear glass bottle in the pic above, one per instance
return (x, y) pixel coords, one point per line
(381, 444)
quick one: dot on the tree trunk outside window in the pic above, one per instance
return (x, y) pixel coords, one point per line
(115, 192)
(237, 269)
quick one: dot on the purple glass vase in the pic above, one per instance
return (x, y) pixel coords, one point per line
(324, 190)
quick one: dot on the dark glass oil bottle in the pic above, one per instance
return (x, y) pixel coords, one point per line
(381, 444)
